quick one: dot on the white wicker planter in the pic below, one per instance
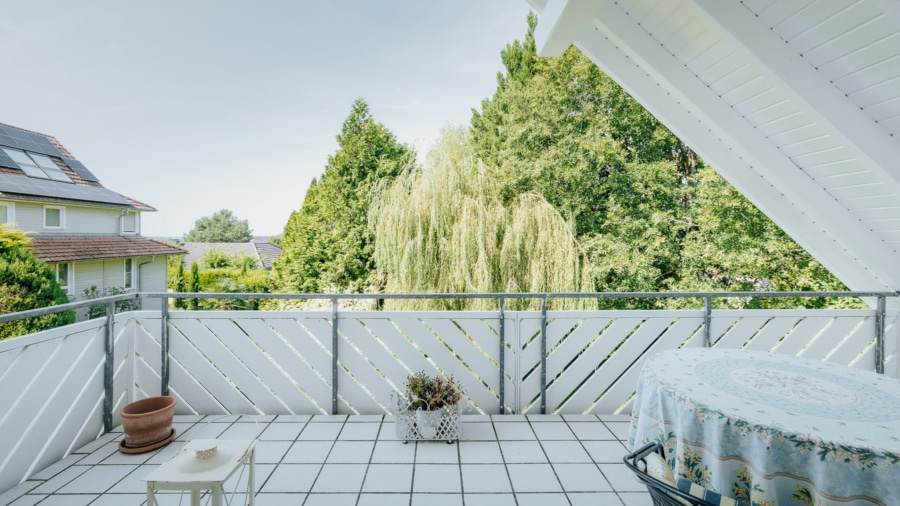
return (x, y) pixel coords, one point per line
(443, 424)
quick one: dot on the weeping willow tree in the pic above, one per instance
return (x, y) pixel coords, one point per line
(445, 229)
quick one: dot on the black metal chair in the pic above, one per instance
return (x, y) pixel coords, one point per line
(663, 494)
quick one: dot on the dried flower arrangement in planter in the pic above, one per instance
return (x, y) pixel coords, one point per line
(428, 409)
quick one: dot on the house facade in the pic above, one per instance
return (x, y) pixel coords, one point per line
(88, 234)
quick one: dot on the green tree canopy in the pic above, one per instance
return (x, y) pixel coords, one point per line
(326, 243)
(222, 226)
(27, 283)
(445, 229)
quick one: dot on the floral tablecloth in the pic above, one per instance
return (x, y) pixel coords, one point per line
(772, 429)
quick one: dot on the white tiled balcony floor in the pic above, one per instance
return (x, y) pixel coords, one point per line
(337, 460)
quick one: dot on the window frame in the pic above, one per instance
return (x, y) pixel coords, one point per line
(136, 228)
(10, 212)
(62, 217)
(128, 273)
(70, 277)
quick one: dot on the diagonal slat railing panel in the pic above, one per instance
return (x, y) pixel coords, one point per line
(123, 364)
(738, 333)
(301, 390)
(831, 336)
(892, 343)
(43, 373)
(585, 353)
(376, 371)
(684, 330)
(187, 355)
(270, 385)
(310, 340)
(481, 396)
(802, 334)
(770, 335)
(225, 364)
(851, 350)
(481, 349)
(630, 350)
(387, 350)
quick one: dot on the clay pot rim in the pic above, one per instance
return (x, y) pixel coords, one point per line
(169, 403)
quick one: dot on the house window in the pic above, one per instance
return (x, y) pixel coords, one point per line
(64, 277)
(7, 212)
(129, 223)
(129, 280)
(35, 165)
(54, 217)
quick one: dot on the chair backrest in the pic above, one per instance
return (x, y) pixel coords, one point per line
(662, 493)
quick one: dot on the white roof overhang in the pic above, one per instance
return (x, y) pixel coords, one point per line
(795, 102)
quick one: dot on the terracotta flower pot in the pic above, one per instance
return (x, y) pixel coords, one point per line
(148, 421)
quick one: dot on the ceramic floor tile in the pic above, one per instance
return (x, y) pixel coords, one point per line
(280, 499)
(436, 500)
(97, 479)
(238, 481)
(292, 419)
(549, 431)
(69, 500)
(308, 452)
(514, 431)
(28, 500)
(594, 499)
(485, 478)
(621, 478)
(383, 499)
(366, 418)
(636, 499)
(437, 452)
(510, 418)
(97, 443)
(328, 419)
(620, 429)
(165, 453)
(281, 432)
(18, 491)
(541, 499)
(120, 500)
(522, 452)
(53, 469)
(388, 478)
(320, 432)
(340, 478)
(394, 452)
(610, 452)
(360, 431)
(60, 480)
(533, 478)
(100, 454)
(591, 431)
(580, 418)
(243, 431)
(581, 478)
(351, 452)
(615, 418)
(294, 478)
(271, 452)
(134, 459)
(480, 452)
(565, 451)
(543, 418)
(436, 478)
(330, 499)
(490, 499)
(133, 483)
(478, 431)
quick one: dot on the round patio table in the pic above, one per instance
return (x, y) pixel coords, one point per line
(772, 429)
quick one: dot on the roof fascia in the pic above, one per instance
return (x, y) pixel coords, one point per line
(561, 20)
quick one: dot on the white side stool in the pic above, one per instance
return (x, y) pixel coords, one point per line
(196, 468)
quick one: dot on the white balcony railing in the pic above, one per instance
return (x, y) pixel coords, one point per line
(60, 391)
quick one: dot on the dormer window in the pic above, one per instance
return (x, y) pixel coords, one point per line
(35, 165)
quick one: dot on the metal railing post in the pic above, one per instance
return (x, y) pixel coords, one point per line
(879, 335)
(544, 354)
(707, 321)
(502, 356)
(164, 348)
(334, 356)
(109, 347)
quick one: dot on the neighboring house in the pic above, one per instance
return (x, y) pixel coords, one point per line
(265, 253)
(88, 234)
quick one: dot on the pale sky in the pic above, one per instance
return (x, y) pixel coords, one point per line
(201, 105)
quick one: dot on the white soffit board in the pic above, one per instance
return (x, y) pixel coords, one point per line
(795, 102)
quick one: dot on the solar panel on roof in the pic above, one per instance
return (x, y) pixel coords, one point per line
(81, 170)
(37, 143)
(6, 161)
(46, 188)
